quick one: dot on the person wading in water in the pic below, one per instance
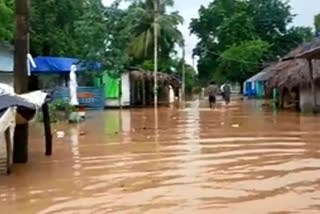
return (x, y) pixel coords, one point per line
(212, 92)
(226, 92)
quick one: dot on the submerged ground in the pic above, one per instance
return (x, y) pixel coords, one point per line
(243, 159)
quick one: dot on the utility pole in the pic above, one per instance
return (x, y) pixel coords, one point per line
(21, 75)
(155, 73)
(183, 71)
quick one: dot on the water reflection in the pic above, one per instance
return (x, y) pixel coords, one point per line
(126, 125)
(112, 122)
(116, 122)
(237, 159)
(74, 140)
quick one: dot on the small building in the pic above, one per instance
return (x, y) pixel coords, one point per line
(6, 64)
(56, 70)
(297, 86)
(255, 86)
(116, 90)
(135, 88)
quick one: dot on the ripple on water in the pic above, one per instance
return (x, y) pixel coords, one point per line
(195, 162)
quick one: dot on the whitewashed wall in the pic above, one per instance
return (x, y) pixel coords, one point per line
(125, 89)
(306, 99)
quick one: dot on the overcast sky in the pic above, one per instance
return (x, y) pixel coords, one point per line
(305, 10)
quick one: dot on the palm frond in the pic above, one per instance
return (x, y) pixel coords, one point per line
(143, 28)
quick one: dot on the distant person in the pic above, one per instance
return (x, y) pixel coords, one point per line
(226, 92)
(212, 92)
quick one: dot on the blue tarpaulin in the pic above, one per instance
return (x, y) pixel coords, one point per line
(51, 65)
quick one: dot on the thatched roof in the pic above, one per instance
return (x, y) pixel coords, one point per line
(163, 78)
(293, 71)
(311, 54)
(303, 48)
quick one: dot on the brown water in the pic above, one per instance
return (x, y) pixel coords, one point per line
(237, 160)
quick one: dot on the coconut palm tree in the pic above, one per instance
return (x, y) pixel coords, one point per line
(143, 28)
(154, 29)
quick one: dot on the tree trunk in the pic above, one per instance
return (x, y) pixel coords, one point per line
(21, 75)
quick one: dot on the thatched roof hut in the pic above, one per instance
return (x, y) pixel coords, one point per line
(142, 86)
(163, 78)
(293, 71)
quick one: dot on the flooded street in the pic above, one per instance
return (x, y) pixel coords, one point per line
(243, 159)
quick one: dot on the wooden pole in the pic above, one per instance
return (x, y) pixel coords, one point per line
(155, 73)
(313, 86)
(20, 148)
(47, 129)
(21, 47)
(21, 75)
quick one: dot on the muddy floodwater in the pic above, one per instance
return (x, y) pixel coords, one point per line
(244, 159)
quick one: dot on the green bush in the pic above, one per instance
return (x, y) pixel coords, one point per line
(59, 110)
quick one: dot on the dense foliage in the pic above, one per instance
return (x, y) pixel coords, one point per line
(239, 61)
(115, 37)
(143, 23)
(235, 35)
(105, 35)
(191, 79)
(53, 27)
(6, 20)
